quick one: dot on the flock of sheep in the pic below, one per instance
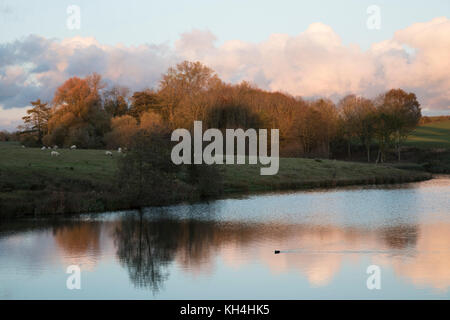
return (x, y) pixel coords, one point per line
(55, 153)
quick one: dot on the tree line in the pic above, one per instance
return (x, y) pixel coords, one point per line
(87, 113)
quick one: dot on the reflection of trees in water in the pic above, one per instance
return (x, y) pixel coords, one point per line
(401, 237)
(146, 248)
(78, 238)
(147, 244)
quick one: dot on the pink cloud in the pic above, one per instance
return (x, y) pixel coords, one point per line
(317, 63)
(312, 63)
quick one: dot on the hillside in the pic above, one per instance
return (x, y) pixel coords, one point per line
(431, 135)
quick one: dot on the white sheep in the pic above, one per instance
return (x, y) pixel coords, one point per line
(43, 148)
(109, 153)
(73, 147)
(55, 147)
(55, 154)
(119, 150)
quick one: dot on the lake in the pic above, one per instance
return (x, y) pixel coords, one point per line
(225, 249)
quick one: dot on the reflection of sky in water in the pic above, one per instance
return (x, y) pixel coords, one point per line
(225, 249)
(345, 207)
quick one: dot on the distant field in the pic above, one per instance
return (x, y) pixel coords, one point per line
(35, 166)
(80, 179)
(431, 135)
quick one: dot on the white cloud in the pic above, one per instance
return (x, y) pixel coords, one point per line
(317, 63)
(34, 67)
(11, 118)
(312, 63)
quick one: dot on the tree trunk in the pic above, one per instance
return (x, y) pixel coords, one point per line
(328, 149)
(349, 150)
(368, 153)
(378, 156)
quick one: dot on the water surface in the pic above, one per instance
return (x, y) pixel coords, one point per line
(225, 249)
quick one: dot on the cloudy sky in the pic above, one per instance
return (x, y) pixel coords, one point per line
(307, 48)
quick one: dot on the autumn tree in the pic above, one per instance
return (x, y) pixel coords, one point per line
(321, 124)
(405, 114)
(150, 120)
(78, 116)
(397, 114)
(115, 101)
(85, 114)
(184, 86)
(123, 129)
(358, 120)
(144, 101)
(232, 115)
(383, 133)
(347, 113)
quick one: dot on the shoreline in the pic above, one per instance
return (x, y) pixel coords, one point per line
(328, 185)
(305, 187)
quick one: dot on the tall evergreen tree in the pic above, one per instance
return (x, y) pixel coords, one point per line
(37, 118)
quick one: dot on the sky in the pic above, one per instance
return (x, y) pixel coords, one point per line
(306, 48)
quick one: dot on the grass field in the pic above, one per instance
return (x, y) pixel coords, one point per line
(431, 135)
(29, 166)
(432, 141)
(299, 173)
(82, 179)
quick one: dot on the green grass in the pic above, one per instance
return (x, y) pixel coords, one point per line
(298, 173)
(433, 143)
(431, 135)
(31, 181)
(33, 166)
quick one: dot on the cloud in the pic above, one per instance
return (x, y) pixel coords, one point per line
(310, 64)
(317, 63)
(34, 67)
(11, 118)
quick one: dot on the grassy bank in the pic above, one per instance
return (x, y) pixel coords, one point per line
(32, 182)
(429, 147)
(298, 173)
(431, 135)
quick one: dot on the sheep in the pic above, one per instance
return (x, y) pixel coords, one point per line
(109, 153)
(119, 150)
(54, 154)
(23, 146)
(43, 148)
(73, 147)
(55, 147)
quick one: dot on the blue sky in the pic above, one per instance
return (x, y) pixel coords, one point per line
(134, 22)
